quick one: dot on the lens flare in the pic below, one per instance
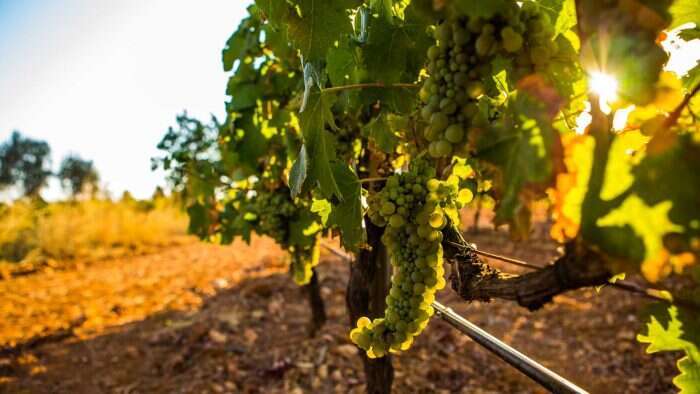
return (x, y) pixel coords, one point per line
(605, 87)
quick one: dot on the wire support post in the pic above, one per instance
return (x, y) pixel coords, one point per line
(530, 368)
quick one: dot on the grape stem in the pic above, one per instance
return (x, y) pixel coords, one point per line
(369, 85)
(375, 179)
(673, 116)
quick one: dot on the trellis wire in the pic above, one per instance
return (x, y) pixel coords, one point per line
(529, 367)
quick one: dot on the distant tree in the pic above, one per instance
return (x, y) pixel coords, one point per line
(77, 175)
(158, 193)
(127, 197)
(24, 162)
(191, 148)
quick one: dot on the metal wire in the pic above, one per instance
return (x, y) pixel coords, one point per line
(529, 367)
(336, 252)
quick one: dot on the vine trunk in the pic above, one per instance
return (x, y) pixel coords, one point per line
(366, 293)
(318, 309)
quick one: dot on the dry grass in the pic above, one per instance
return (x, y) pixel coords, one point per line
(93, 229)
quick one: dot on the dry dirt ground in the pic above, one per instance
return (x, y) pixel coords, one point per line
(209, 319)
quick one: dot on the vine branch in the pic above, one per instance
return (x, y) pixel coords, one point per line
(369, 85)
(579, 267)
(374, 179)
(630, 287)
(474, 280)
(673, 116)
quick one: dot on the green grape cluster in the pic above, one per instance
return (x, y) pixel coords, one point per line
(460, 64)
(274, 210)
(412, 207)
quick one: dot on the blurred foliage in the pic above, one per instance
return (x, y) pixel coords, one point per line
(37, 232)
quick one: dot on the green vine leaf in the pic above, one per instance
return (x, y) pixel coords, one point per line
(297, 175)
(672, 329)
(380, 131)
(639, 207)
(275, 11)
(341, 66)
(199, 220)
(692, 78)
(562, 12)
(322, 208)
(684, 11)
(690, 34)
(395, 52)
(347, 214)
(252, 143)
(524, 152)
(396, 48)
(320, 144)
(316, 25)
(689, 379)
(480, 8)
(240, 44)
(302, 231)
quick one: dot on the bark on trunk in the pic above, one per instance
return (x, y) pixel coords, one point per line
(366, 293)
(474, 280)
(318, 309)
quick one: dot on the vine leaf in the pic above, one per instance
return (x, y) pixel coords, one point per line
(395, 49)
(571, 185)
(276, 11)
(241, 42)
(562, 12)
(341, 66)
(297, 175)
(480, 8)
(524, 152)
(316, 25)
(322, 208)
(347, 214)
(243, 95)
(684, 11)
(672, 329)
(199, 220)
(692, 78)
(643, 215)
(690, 34)
(689, 379)
(380, 131)
(252, 144)
(303, 230)
(394, 53)
(661, 196)
(320, 145)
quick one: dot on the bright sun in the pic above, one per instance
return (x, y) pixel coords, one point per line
(605, 86)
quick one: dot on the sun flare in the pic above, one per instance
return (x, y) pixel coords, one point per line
(605, 87)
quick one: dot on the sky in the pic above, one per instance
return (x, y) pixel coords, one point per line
(105, 79)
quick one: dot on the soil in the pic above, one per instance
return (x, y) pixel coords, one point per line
(200, 318)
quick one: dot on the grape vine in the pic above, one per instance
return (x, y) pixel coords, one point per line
(376, 121)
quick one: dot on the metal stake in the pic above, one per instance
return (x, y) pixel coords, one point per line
(532, 369)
